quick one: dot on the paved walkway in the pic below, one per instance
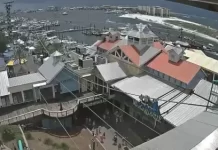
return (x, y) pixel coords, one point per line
(108, 141)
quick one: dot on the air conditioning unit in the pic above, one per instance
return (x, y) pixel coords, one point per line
(86, 62)
(100, 60)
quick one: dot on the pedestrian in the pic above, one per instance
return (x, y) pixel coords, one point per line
(93, 132)
(119, 146)
(123, 141)
(90, 121)
(99, 129)
(107, 113)
(87, 121)
(93, 124)
(104, 135)
(14, 147)
(104, 116)
(61, 107)
(115, 139)
(102, 138)
(97, 132)
(116, 120)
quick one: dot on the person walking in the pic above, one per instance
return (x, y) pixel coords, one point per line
(99, 129)
(93, 124)
(119, 146)
(61, 107)
(115, 139)
(90, 121)
(93, 132)
(123, 141)
(116, 120)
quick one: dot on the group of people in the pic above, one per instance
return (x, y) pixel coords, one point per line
(119, 145)
(96, 130)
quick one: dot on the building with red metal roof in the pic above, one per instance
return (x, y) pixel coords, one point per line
(181, 73)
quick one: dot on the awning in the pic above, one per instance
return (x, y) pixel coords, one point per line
(16, 62)
(39, 84)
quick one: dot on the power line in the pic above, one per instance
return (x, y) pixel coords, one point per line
(120, 60)
(138, 95)
(123, 61)
(8, 6)
(122, 110)
(93, 112)
(131, 93)
(60, 123)
(48, 109)
(88, 108)
(115, 106)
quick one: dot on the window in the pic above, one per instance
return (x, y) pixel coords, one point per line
(172, 80)
(5, 101)
(17, 98)
(28, 95)
(155, 72)
(166, 77)
(136, 39)
(161, 74)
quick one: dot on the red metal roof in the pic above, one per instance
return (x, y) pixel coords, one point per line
(131, 52)
(158, 45)
(107, 45)
(183, 71)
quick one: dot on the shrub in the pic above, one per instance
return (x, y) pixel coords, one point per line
(48, 141)
(8, 135)
(29, 136)
(64, 146)
(55, 146)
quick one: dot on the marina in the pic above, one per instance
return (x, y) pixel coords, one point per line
(103, 76)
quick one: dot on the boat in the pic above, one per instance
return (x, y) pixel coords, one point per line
(65, 13)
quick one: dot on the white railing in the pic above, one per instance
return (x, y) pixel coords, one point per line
(49, 113)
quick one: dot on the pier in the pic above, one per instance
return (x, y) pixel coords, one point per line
(76, 28)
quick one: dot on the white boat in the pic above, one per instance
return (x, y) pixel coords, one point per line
(65, 13)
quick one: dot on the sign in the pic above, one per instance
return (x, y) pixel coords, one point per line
(93, 103)
(150, 110)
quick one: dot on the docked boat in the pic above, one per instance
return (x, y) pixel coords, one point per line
(65, 13)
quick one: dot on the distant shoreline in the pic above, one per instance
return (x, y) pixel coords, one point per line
(163, 21)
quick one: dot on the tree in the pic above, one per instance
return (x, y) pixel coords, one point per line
(3, 43)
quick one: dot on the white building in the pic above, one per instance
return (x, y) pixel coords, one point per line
(155, 10)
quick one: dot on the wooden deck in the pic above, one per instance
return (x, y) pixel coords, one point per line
(51, 110)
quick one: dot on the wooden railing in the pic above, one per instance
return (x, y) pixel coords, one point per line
(49, 113)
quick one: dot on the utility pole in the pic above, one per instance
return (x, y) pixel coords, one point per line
(8, 6)
(181, 34)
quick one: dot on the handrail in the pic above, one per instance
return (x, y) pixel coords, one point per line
(48, 112)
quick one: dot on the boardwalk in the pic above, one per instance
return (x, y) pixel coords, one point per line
(52, 110)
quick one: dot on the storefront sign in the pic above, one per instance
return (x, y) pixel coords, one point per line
(93, 103)
(149, 110)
